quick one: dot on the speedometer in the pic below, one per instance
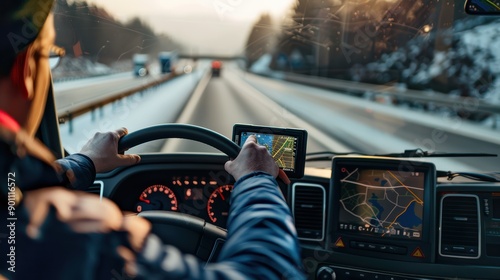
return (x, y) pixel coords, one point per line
(157, 197)
(218, 205)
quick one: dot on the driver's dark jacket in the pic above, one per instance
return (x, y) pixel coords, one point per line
(262, 243)
(58, 252)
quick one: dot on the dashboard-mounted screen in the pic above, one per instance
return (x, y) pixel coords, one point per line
(286, 145)
(381, 202)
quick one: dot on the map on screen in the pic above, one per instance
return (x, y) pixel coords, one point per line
(281, 147)
(383, 203)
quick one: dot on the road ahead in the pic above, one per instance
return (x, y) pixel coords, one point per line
(335, 122)
(227, 100)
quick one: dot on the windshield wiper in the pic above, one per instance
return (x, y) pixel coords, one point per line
(415, 153)
(485, 177)
(322, 156)
(421, 153)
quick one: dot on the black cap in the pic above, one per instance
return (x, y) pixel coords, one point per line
(20, 23)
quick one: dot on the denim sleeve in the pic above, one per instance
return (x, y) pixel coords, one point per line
(79, 171)
(262, 242)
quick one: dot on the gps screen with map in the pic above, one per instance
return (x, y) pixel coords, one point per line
(385, 203)
(286, 146)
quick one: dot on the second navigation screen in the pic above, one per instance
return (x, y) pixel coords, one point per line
(382, 203)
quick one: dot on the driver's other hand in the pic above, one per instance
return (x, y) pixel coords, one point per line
(137, 228)
(252, 157)
(102, 149)
(83, 212)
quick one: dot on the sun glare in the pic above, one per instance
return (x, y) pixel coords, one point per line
(213, 26)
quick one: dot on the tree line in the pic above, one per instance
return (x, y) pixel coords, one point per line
(87, 30)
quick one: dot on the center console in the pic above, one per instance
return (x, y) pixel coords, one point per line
(389, 219)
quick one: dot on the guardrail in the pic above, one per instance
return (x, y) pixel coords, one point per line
(465, 103)
(66, 115)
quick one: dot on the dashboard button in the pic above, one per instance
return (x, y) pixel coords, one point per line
(391, 249)
(326, 273)
(445, 249)
(400, 250)
(471, 250)
(361, 245)
(458, 249)
(384, 248)
(362, 275)
(346, 274)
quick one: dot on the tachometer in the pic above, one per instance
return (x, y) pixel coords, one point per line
(218, 205)
(157, 197)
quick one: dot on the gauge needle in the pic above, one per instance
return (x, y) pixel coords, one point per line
(222, 196)
(144, 200)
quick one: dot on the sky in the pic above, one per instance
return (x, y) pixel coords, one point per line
(216, 27)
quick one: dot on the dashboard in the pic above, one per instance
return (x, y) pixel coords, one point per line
(192, 192)
(365, 218)
(197, 193)
(202, 190)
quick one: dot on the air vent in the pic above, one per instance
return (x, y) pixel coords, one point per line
(97, 188)
(459, 235)
(308, 206)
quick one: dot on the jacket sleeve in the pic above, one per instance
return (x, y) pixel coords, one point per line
(261, 244)
(79, 171)
(76, 171)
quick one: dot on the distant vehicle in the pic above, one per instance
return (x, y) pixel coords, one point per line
(141, 67)
(168, 61)
(216, 68)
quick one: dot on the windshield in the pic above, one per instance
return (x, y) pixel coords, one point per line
(370, 76)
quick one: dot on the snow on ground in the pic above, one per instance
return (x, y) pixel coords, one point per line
(155, 106)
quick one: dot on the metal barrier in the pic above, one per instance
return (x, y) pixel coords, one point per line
(66, 115)
(401, 94)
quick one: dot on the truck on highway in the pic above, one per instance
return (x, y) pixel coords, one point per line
(141, 64)
(168, 61)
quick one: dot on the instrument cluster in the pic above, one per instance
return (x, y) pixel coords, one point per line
(202, 195)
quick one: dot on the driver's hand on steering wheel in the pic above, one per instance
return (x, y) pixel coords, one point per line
(102, 149)
(252, 157)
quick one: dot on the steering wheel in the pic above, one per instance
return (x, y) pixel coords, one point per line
(188, 233)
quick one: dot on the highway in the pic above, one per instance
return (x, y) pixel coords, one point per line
(335, 122)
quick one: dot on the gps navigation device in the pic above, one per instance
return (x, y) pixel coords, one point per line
(286, 145)
(381, 207)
